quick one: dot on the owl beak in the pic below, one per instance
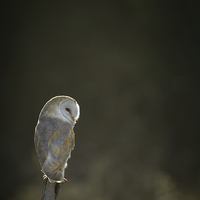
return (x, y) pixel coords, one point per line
(73, 119)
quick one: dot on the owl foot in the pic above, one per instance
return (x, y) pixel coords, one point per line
(64, 181)
(45, 177)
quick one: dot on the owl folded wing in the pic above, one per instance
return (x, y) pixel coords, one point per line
(60, 137)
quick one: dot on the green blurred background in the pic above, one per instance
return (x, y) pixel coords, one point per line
(133, 66)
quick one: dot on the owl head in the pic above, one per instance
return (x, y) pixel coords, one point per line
(62, 107)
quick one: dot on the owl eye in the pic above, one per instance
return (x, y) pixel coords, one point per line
(67, 109)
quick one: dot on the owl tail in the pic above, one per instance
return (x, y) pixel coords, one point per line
(57, 176)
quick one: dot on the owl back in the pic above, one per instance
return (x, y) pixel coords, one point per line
(53, 138)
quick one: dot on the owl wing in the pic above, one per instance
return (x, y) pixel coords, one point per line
(54, 146)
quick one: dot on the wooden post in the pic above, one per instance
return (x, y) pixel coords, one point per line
(50, 191)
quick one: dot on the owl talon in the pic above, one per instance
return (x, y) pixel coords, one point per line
(64, 181)
(45, 177)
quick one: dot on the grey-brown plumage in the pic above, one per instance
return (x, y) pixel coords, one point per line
(54, 136)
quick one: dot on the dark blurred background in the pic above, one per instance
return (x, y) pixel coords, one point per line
(133, 66)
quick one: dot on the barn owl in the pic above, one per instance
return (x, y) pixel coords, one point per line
(54, 136)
